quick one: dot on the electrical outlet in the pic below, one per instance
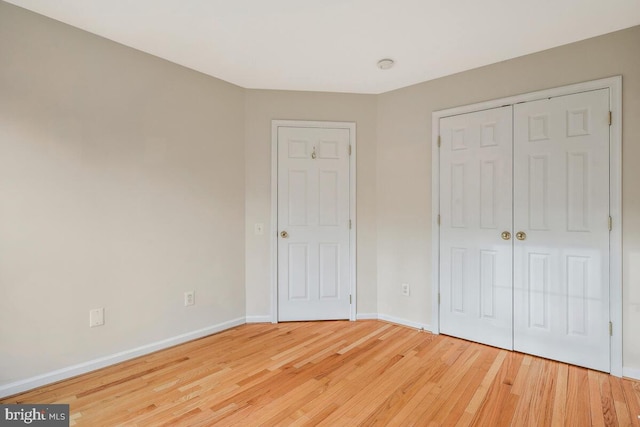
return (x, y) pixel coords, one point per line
(96, 317)
(189, 298)
(405, 289)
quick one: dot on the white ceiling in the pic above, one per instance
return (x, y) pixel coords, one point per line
(333, 45)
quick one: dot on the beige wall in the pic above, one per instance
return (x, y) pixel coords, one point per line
(262, 106)
(404, 159)
(121, 186)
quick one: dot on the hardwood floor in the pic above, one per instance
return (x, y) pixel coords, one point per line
(341, 373)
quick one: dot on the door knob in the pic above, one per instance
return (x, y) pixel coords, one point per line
(284, 234)
(521, 235)
(505, 235)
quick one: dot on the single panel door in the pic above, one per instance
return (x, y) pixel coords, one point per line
(313, 223)
(475, 230)
(561, 224)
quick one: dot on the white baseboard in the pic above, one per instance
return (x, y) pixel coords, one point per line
(631, 373)
(367, 316)
(404, 322)
(91, 365)
(392, 319)
(259, 319)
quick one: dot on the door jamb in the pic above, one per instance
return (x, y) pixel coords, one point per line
(614, 84)
(351, 127)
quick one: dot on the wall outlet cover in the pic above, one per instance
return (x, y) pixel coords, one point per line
(96, 317)
(405, 289)
(189, 298)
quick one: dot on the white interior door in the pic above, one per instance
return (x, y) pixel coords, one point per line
(313, 223)
(475, 209)
(561, 204)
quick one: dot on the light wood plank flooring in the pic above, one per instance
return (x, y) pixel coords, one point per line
(341, 374)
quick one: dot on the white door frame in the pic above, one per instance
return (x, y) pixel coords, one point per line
(614, 84)
(351, 127)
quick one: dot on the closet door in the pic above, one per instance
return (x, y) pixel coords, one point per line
(476, 215)
(561, 212)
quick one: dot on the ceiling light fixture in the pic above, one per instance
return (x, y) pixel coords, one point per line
(385, 64)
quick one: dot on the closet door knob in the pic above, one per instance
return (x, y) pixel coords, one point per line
(505, 235)
(521, 235)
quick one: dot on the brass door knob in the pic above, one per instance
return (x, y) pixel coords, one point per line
(505, 235)
(521, 235)
(284, 234)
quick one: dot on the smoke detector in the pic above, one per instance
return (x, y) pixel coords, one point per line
(385, 64)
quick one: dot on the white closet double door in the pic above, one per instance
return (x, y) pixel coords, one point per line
(524, 234)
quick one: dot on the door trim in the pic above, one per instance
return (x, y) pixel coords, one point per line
(351, 127)
(614, 84)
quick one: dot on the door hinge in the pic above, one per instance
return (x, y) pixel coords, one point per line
(610, 329)
(438, 220)
(610, 223)
(439, 141)
(438, 298)
(610, 118)
(350, 300)
(349, 224)
(349, 149)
